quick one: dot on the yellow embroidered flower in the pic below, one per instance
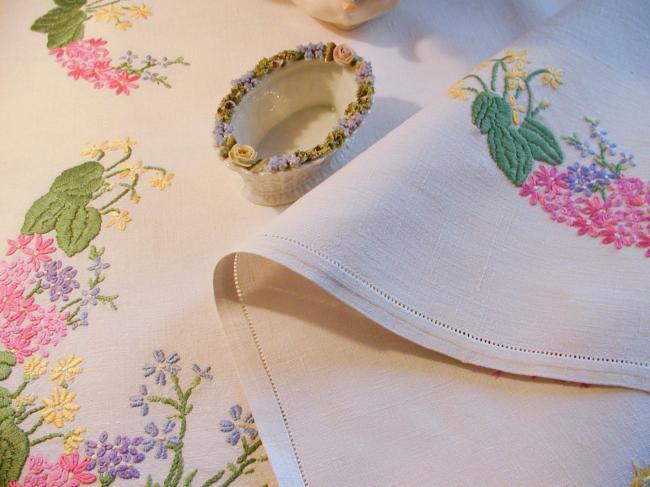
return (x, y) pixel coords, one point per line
(67, 369)
(515, 78)
(139, 11)
(544, 104)
(516, 109)
(131, 170)
(123, 145)
(25, 400)
(518, 58)
(124, 25)
(73, 440)
(92, 150)
(641, 477)
(162, 181)
(135, 197)
(59, 407)
(457, 91)
(119, 218)
(482, 66)
(35, 367)
(553, 77)
(109, 13)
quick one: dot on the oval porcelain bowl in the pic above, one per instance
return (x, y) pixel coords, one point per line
(282, 122)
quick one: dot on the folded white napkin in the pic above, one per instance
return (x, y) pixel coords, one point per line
(469, 231)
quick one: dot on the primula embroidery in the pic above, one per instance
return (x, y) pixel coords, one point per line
(594, 197)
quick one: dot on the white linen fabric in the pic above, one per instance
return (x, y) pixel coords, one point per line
(424, 235)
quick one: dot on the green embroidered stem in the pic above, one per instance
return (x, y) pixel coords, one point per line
(529, 107)
(97, 7)
(479, 79)
(190, 478)
(165, 400)
(493, 81)
(71, 303)
(20, 389)
(214, 479)
(114, 200)
(26, 414)
(243, 462)
(36, 289)
(505, 82)
(537, 72)
(128, 153)
(110, 300)
(156, 168)
(37, 425)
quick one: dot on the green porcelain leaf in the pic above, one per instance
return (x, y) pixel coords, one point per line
(543, 144)
(511, 152)
(76, 227)
(43, 214)
(490, 110)
(80, 181)
(63, 24)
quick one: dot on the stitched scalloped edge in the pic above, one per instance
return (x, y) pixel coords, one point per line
(441, 324)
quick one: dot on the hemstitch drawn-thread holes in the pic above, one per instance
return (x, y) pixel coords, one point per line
(445, 326)
(265, 364)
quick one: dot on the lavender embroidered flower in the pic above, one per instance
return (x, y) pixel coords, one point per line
(139, 400)
(236, 426)
(98, 266)
(159, 439)
(587, 179)
(221, 131)
(89, 297)
(59, 280)
(247, 80)
(162, 366)
(627, 158)
(349, 124)
(203, 373)
(364, 72)
(116, 458)
(312, 51)
(601, 135)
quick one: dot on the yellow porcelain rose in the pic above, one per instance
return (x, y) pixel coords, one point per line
(343, 54)
(242, 155)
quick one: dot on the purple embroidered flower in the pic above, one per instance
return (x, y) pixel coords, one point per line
(627, 158)
(203, 373)
(221, 131)
(98, 265)
(236, 426)
(163, 364)
(247, 80)
(159, 439)
(139, 400)
(116, 458)
(59, 280)
(312, 51)
(349, 124)
(364, 72)
(587, 179)
(89, 297)
(585, 149)
(129, 57)
(601, 136)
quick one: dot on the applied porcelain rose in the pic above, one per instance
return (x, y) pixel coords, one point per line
(346, 14)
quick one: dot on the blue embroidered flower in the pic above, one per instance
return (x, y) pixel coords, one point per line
(89, 297)
(139, 400)
(203, 373)
(247, 80)
(162, 366)
(159, 439)
(587, 179)
(364, 72)
(83, 319)
(585, 149)
(116, 458)
(98, 265)
(59, 280)
(221, 131)
(312, 51)
(627, 158)
(237, 425)
(601, 135)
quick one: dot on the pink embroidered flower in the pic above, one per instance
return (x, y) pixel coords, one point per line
(22, 307)
(21, 243)
(68, 471)
(630, 189)
(51, 326)
(37, 473)
(596, 209)
(643, 242)
(121, 81)
(44, 328)
(74, 471)
(10, 296)
(18, 271)
(619, 235)
(40, 252)
(551, 181)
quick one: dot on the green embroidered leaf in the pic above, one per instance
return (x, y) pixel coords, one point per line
(511, 153)
(542, 142)
(490, 110)
(76, 227)
(14, 448)
(80, 181)
(7, 361)
(70, 3)
(62, 24)
(42, 216)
